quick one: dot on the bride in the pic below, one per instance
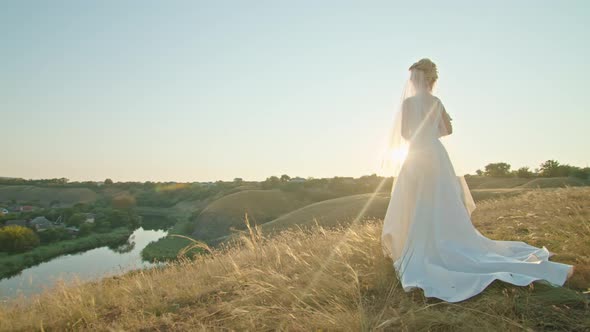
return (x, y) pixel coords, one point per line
(427, 230)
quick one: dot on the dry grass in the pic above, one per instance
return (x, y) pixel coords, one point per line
(330, 279)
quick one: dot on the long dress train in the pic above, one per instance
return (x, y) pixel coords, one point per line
(428, 233)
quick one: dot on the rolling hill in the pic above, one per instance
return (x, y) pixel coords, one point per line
(223, 214)
(332, 212)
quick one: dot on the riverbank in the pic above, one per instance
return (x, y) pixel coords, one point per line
(12, 264)
(167, 248)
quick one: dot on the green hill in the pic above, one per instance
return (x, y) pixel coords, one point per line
(227, 213)
(332, 212)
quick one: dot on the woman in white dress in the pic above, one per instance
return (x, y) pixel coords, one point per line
(427, 230)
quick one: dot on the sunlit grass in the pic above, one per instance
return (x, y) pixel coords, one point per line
(267, 283)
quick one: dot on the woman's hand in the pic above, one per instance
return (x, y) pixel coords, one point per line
(446, 122)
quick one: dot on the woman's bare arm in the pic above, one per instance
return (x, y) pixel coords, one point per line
(445, 126)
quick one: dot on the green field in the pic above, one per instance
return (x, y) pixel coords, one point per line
(44, 196)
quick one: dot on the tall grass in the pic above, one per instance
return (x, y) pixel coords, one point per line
(330, 279)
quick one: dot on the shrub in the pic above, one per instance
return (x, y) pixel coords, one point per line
(53, 235)
(524, 172)
(17, 239)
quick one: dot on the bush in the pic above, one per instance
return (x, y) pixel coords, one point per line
(53, 235)
(17, 239)
(524, 172)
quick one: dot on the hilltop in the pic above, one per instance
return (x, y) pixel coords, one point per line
(331, 278)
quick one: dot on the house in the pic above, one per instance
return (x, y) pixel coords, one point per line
(89, 218)
(26, 208)
(22, 223)
(297, 179)
(72, 230)
(41, 224)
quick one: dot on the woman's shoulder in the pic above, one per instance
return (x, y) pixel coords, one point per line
(436, 99)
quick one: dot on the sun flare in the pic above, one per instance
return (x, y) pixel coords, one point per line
(398, 156)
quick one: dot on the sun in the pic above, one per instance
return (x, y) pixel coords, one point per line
(399, 155)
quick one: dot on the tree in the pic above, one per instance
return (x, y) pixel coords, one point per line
(479, 172)
(271, 183)
(285, 178)
(238, 180)
(15, 238)
(76, 219)
(53, 234)
(86, 229)
(108, 181)
(123, 201)
(552, 168)
(549, 168)
(582, 173)
(497, 169)
(524, 172)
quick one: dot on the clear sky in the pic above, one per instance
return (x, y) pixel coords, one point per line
(212, 90)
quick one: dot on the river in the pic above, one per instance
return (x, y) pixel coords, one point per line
(89, 265)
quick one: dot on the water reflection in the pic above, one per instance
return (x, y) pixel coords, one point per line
(89, 265)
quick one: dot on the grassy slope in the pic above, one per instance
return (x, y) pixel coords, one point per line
(221, 215)
(343, 210)
(45, 195)
(555, 182)
(486, 183)
(332, 212)
(167, 248)
(332, 279)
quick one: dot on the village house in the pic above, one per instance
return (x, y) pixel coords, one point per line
(41, 224)
(90, 217)
(26, 208)
(72, 230)
(297, 179)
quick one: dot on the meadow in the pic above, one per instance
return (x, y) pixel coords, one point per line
(331, 278)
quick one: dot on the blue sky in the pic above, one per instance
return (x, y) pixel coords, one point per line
(205, 91)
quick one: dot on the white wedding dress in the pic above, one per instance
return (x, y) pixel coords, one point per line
(427, 230)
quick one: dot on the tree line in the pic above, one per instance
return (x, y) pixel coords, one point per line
(550, 168)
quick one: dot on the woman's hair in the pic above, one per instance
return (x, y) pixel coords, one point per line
(429, 69)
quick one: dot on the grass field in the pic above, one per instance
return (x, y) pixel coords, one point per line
(343, 210)
(44, 196)
(487, 182)
(331, 279)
